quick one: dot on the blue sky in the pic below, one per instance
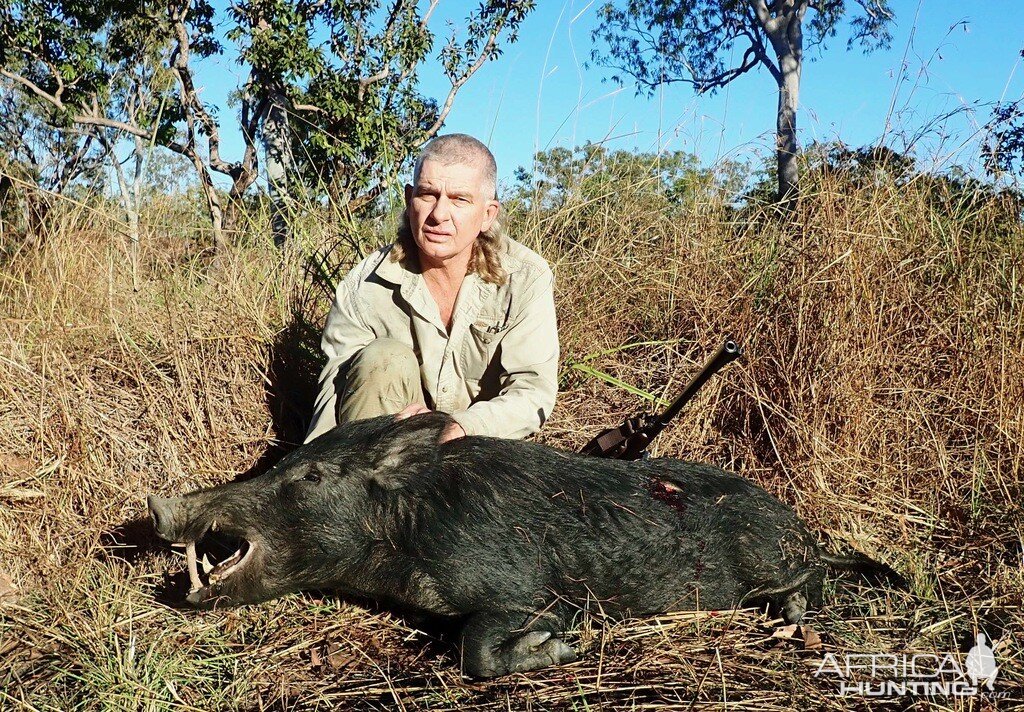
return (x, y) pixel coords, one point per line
(946, 57)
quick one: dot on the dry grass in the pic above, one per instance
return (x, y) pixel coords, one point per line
(882, 395)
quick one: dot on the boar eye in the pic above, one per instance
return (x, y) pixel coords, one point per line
(311, 477)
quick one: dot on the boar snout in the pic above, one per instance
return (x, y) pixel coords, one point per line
(162, 509)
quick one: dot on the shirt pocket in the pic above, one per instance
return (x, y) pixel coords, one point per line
(481, 345)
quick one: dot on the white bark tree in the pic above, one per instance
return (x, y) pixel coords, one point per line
(657, 42)
(40, 162)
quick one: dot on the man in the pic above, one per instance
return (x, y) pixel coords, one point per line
(454, 316)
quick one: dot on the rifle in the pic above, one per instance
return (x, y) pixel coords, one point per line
(629, 441)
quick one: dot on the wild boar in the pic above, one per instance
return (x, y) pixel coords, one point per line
(511, 538)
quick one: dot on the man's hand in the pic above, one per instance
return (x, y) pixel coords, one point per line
(453, 432)
(411, 410)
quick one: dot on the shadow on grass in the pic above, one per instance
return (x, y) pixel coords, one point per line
(135, 540)
(292, 374)
(295, 358)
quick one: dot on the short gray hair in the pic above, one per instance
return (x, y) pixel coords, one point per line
(464, 149)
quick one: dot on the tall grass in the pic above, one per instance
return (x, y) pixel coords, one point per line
(882, 394)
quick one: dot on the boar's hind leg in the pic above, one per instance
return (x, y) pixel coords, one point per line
(791, 600)
(496, 643)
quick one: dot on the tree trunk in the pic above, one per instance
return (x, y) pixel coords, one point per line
(216, 218)
(129, 193)
(244, 173)
(277, 161)
(787, 40)
(133, 215)
(37, 209)
(786, 146)
(239, 184)
(213, 205)
(6, 187)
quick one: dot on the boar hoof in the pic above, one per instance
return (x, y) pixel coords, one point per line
(492, 647)
(538, 649)
(794, 608)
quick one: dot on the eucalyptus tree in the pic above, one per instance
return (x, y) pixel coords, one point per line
(39, 163)
(347, 109)
(339, 76)
(91, 68)
(658, 42)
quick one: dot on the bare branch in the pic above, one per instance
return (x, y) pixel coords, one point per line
(428, 13)
(457, 83)
(760, 49)
(93, 119)
(750, 60)
(365, 82)
(875, 9)
(71, 167)
(31, 86)
(771, 23)
(760, 9)
(190, 98)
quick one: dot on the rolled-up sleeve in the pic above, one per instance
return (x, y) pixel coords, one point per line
(345, 333)
(529, 363)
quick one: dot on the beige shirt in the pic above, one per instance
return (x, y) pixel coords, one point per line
(496, 373)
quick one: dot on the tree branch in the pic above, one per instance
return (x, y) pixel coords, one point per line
(760, 49)
(89, 119)
(365, 82)
(750, 60)
(31, 86)
(457, 83)
(771, 23)
(428, 13)
(368, 196)
(190, 99)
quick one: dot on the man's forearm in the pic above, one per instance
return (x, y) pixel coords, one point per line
(518, 412)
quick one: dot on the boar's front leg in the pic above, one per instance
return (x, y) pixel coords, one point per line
(498, 643)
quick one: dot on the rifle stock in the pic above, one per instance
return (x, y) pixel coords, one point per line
(629, 440)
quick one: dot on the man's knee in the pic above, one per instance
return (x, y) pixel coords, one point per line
(382, 379)
(385, 358)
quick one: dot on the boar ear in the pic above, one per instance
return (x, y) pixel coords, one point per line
(406, 448)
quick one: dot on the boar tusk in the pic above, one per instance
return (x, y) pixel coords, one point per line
(193, 570)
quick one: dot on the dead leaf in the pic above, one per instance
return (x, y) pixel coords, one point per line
(787, 632)
(7, 588)
(812, 641)
(15, 465)
(804, 635)
(337, 658)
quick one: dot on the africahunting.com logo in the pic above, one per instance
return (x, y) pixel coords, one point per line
(887, 675)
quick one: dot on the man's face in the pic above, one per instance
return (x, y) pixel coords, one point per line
(448, 207)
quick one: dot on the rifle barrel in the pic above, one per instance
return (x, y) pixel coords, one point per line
(728, 352)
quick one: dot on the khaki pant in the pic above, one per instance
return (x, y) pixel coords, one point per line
(382, 379)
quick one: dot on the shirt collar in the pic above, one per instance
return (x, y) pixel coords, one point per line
(474, 292)
(415, 293)
(391, 270)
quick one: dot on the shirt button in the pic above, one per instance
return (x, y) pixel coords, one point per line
(445, 389)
